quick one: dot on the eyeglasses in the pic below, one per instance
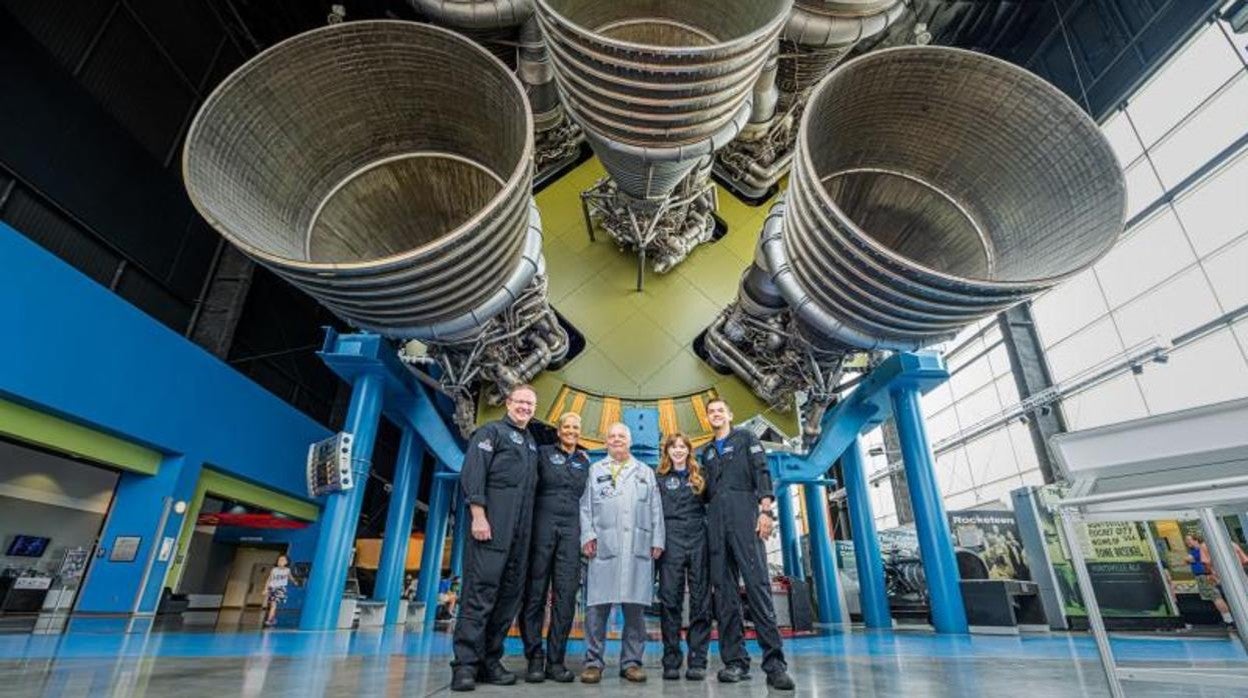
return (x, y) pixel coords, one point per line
(526, 403)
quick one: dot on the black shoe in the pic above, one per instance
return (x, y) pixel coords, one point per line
(671, 673)
(780, 680)
(695, 673)
(733, 674)
(560, 673)
(464, 679)
(536, 672)
(497, 675)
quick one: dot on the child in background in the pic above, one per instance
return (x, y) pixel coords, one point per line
(275, 588)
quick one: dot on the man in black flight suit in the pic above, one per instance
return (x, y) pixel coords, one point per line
(739, 501)
(555, 557)
(498, 478)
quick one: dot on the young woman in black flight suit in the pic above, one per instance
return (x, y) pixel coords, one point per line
(686, 560)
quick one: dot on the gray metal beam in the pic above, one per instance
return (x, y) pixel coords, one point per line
(1031, 375)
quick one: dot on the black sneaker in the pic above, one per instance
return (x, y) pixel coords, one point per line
(560, 673)
(733, 674)
(537, 671)
(695, 673)
(671, 673)
(463, 679)
(497, 675)
(780, 680)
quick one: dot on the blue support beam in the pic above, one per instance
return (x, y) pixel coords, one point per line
(342, 510)
(822, 558)
(393, 563)
(893, 386)
(440, 499)
(459, 535)
(867, 557)
(790, 535)
(940, 566)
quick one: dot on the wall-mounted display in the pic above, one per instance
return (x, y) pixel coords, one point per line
(27, 546)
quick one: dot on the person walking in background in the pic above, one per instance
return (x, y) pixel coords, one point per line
(1201, 562)
(498, 477)
(555, 557)
(275, 588)
(622, 533)
(685, 560)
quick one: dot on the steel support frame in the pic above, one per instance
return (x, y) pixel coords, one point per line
(381, 386)
(892, 388)
(790, 536)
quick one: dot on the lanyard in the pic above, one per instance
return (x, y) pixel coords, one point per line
(616, 469)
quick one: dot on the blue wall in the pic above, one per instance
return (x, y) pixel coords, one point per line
(76, 350)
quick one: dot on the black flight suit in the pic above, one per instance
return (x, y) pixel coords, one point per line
(555, 557)
(499, 473)
(685, 558)
(737, 480)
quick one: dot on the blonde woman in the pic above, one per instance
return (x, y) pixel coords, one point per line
(555, 555)
(685, 561)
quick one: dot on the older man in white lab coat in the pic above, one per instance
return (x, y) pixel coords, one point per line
(622, 534)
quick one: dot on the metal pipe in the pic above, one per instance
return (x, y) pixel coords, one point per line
(341, 512)
(475, 14)
(393, 563)
(458, 535)
(1096, 623)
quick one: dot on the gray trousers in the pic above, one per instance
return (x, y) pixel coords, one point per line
(632, 643)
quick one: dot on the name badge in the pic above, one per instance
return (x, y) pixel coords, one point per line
(603, 478)
(516, 438)
(673, 483)
(727, 449)
(558, 459)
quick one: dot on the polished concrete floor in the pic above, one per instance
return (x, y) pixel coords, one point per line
(97, 662)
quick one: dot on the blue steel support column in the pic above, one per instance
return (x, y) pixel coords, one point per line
(457, 539)
(342, 511)
(867, 555)
(435, 544)
(790, 536)
(935, 543)
(822, 559)
(393, 563)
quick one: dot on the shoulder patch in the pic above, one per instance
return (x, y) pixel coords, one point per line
(486, 446)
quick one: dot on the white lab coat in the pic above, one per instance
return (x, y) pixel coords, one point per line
(626, 518)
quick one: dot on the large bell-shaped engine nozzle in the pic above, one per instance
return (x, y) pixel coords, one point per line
(383, 167)
(659, 85)
(933, 187)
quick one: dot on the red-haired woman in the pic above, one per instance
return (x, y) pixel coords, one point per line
(685, 560)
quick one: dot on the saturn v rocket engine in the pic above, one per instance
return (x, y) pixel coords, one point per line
(385, 169)
(509, 29)
(818, 35)
(931, 187)
(658, 88)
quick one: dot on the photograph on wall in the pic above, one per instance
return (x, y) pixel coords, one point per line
(988, 545)
(1122, 564)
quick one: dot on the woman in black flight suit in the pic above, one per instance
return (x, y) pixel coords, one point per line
(685, 560)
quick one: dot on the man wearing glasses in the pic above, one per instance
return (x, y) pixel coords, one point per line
(498, 480)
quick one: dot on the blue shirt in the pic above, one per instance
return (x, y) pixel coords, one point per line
(1198, 567)
(719, 445)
